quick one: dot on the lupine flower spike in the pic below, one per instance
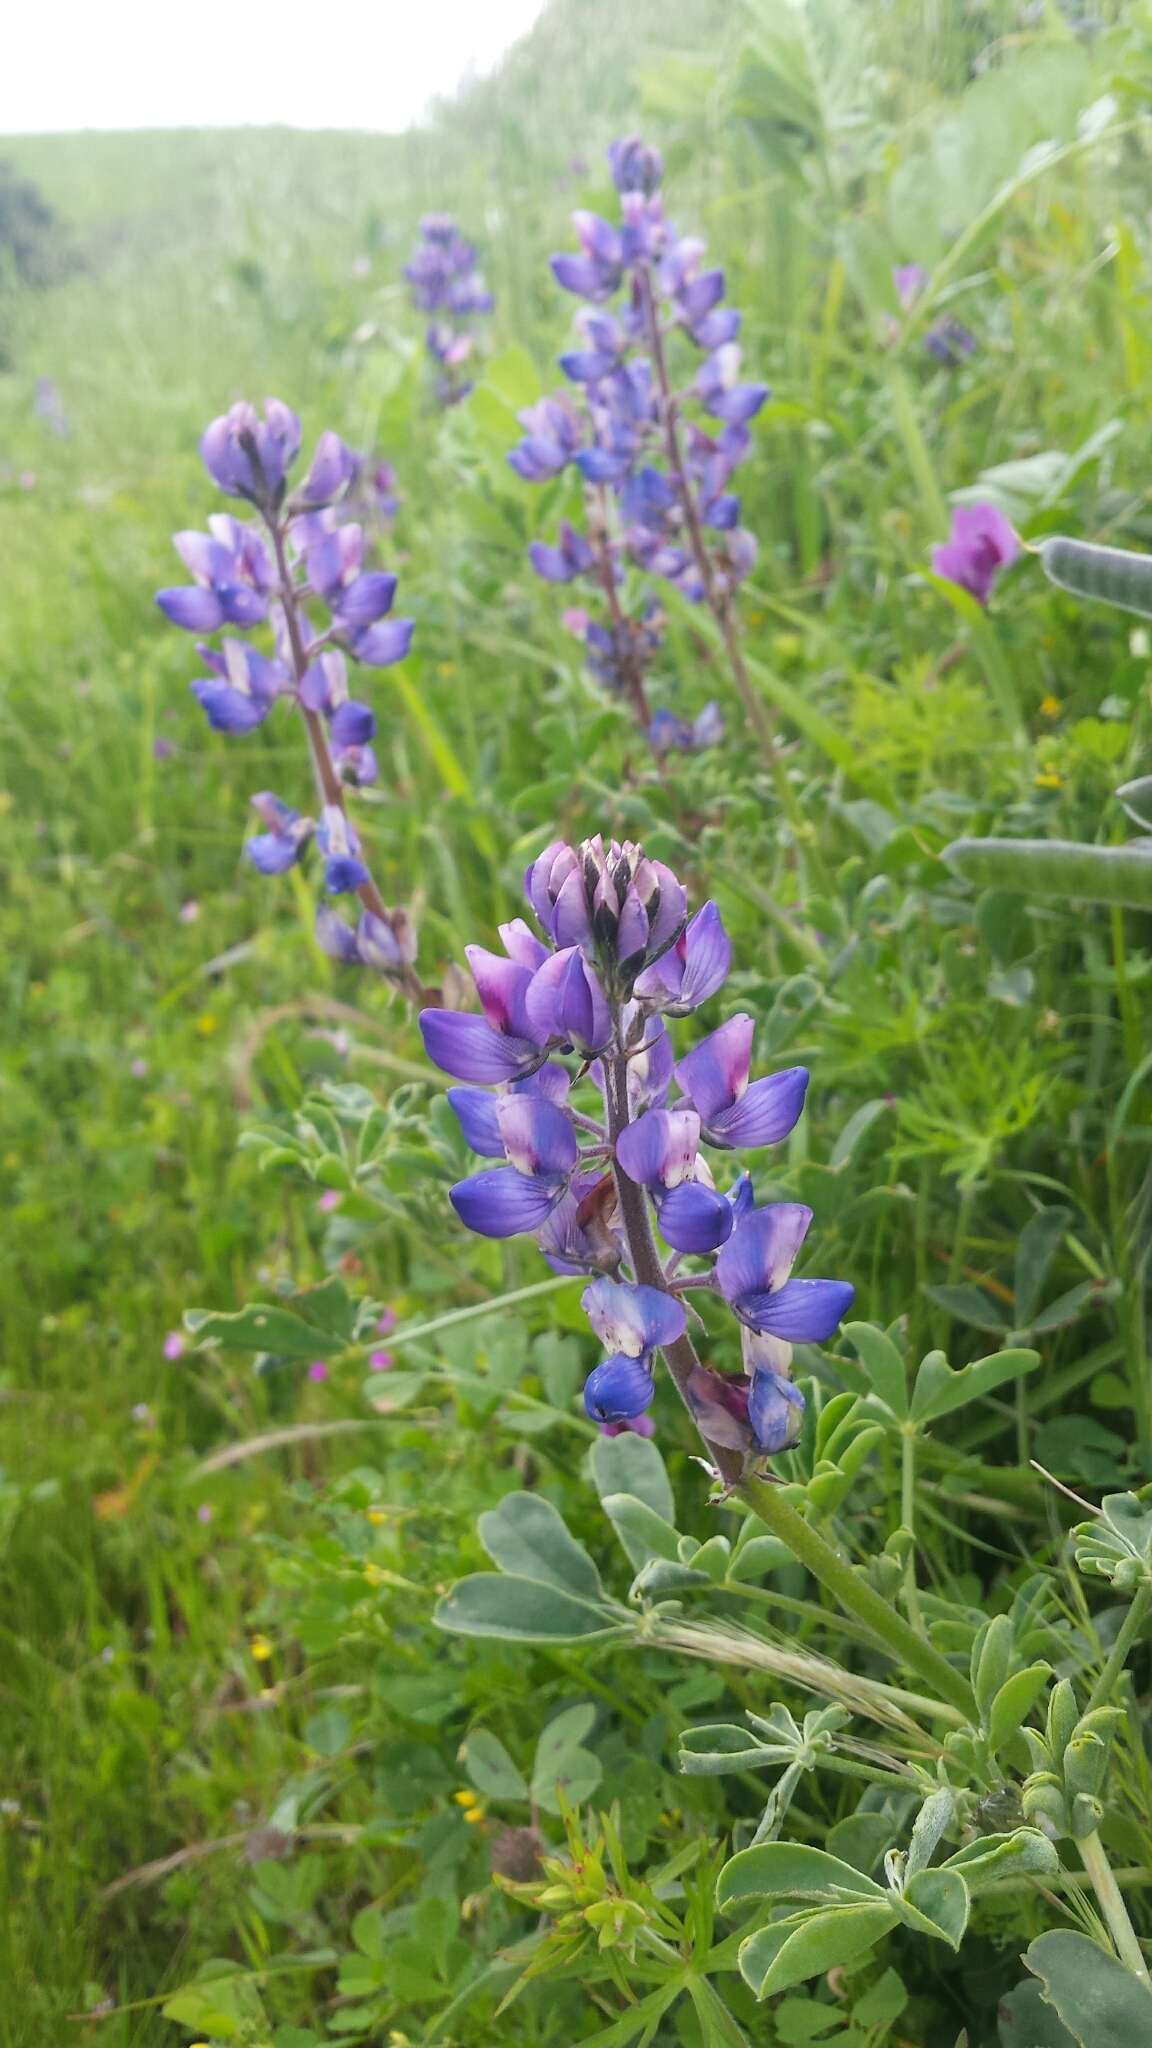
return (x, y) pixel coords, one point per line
(298, 574)
(445, 281)
(615, 955)
(655, 457)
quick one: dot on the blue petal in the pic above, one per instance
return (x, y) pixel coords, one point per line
(476, 1111)
(775, 1409)
(761, 1253)
(764, 1114)
(694, 1218)
(503, 1203)
(618, 1389)
(469, 1049)
(803, 1311)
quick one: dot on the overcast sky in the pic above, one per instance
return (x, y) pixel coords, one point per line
(71, 64)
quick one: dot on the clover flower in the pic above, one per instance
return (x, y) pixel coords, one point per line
(445, 281)
(304, 576)
(654, 428)
(583, 1000)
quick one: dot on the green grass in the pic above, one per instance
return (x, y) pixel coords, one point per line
(138, 1038)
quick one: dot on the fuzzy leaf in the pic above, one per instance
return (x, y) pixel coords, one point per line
(1014, 1702)
(1099, 2001)
(790, 1870)
(788, 1952)
(521, 1610)
(644, 1535)
(941, 1899)
(525, 1534)
(883, 1365)
(632, 1464)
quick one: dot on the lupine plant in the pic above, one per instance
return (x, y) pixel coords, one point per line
(446, 282)
(297, 560)
(656, 423)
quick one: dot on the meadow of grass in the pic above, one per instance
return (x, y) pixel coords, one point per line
(233, 1665)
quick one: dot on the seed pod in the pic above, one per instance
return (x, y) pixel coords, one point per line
(1111, 575)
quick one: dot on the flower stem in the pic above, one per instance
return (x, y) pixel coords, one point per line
(1126, 1635)
(631, 670)
(1111, 1901)
(908, 1522)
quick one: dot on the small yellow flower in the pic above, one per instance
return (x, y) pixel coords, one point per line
(261, 1649)
(474, 1814)
(446, 668)
(377, 1515)
(466, 1798)
(1050, 707)
(1049, 779)
(206, 1024)
(375, 1575)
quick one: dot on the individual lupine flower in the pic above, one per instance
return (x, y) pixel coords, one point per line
(660, 1152)
(981, 544)
(631, 1323)
(670, 734)
(720, 391)
(231, 576)
(242, 688)
(753, 1273)
(503, 1044)
(540, 1146)
(732, 1112)
(598, 272)
(636, 166)
(339, 843)
(572, 556)
(553, 434)
(250, 457)
(566, 1004)
(387, 944)
(283, 839)
(690, 970)
(617, 654)
(333, 470)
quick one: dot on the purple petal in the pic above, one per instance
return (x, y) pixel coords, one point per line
(522, 945)
(694, 1218)
(660, 1147)
(228, 710)
(353, 724)
(195, 609)
(335, 937)
(469, 1049)
(761, 1253)
(501, 1202)
(384, 644)
(632, 1319)
(715, 1073)
(720, 1405)
(618, 1389)
(502, 986)
(565, 1001)
(804, 1311)
(538, 1137)
(367, 598)
(476, 1111)
(764, 1114)
(273, 853)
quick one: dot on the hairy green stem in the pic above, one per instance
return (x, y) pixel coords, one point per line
(1111, 1901)
(908, 1522)
(1126, 1635)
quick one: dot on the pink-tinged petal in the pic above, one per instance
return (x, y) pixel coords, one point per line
(632, 931)
(476, 1111)
(650, 1071)
(502, 987)
(659, 1149)
(503, 1203)
(720, 1405)
(618, 1389)
(470, 1050)
(805, 1311)
(765, 1113)
(632, 1319)
(538, 1137)
(522, 945)
(762, 1251)
(715, 1073)
(694, 1218)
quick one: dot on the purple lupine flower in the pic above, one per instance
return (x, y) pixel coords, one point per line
(610, 917)
(445, 280)
(720, 391)
(250, 457)
(669, 734)
(572, 556)
(339, 843)
(551, 439)
(753, 1272)
(909, 280)
(732, 1112)
(230, 576)
(333, 470)
(691, 970)
(635, 165)
(982, 542)
(283, 839)
(242, 688)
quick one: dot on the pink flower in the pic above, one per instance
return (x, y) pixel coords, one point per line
(386, 1323)
(175, 1345)
(982, 543)
(318, 1370)
(380, 1361)
(189, 911)
(329, 1200)
(205, 1511)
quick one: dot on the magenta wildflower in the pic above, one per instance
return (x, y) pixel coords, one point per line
(175, 1345)
(318, 1370)
(981, 544)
